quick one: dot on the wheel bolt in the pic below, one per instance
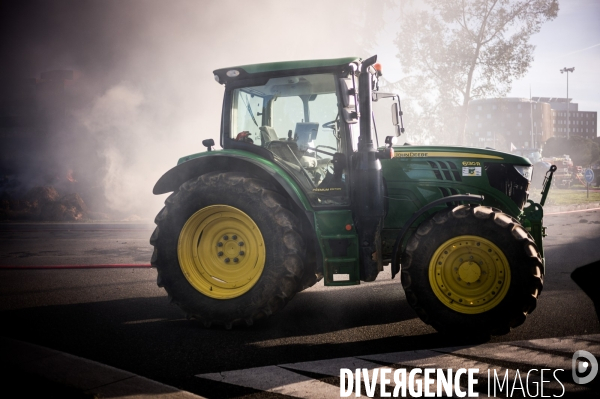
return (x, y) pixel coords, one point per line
(226, 260)
(219, 244)
(241, 243)
(220, 253)
(226, 238)
(242, 253)
(234, 237)
(236, 260)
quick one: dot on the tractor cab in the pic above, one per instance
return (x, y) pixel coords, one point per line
(302, 118)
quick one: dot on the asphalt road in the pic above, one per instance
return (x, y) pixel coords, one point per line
(121, 318)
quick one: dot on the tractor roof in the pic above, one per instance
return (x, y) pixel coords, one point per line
(226, 75)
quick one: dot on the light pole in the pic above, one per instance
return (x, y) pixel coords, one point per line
(567, 70)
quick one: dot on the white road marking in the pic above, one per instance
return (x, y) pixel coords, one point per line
(277, 380)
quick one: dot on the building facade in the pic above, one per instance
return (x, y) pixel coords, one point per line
(580, 123)
(502, 122)
(506, 123)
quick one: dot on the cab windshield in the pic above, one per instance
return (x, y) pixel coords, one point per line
(297, 119)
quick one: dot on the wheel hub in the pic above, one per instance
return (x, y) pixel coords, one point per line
(230, 248)
(469, 274)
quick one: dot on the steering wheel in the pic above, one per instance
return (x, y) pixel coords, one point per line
(329, 125)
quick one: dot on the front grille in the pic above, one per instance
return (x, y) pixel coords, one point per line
(445, 170)
(506, 179)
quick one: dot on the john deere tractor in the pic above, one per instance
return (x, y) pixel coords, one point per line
(301, 191)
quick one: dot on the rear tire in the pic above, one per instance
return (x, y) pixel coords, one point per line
(472, 271)
(199, 258)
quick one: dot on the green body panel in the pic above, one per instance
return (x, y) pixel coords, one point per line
(289, 65)
(331, 232)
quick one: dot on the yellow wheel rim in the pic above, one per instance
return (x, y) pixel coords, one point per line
(469, 274)
(221, 252)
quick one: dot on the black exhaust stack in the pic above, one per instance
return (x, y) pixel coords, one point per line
(367, 189)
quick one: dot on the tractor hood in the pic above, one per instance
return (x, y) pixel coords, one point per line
(463, 154)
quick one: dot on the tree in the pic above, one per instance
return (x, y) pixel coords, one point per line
(459, 50)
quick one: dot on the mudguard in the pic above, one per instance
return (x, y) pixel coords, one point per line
(231, 160)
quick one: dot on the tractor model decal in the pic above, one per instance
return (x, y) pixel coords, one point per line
(471, 171)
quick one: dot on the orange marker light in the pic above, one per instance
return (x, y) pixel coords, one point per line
(377, 67)
(348, 227)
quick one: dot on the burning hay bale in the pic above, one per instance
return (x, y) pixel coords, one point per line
(38, 197)
(69, 208)
(45, 204)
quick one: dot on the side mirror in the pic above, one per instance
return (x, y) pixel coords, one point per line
(208, 143)
(396, 119)
(395, 114)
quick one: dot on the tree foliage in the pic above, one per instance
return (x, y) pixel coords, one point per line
(458, 50)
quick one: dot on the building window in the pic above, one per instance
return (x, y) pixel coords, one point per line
(477, 134)
(519, 106)
(477, 116)
(520, 133)
(489, 134)
(518, 123)
(520, 115)
(479, 108)
(493, 107)
(489, 116)
(508, 115)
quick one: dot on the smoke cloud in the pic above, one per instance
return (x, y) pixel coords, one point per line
(143, 92)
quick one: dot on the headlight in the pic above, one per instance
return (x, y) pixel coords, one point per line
(524, 171)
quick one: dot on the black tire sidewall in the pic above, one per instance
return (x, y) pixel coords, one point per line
(507, 313)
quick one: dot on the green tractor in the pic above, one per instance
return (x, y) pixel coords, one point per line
(302, 192)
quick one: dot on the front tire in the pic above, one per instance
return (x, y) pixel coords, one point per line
(472, 270)
(227, 249)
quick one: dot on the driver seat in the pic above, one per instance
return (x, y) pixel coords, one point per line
(267, 135)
